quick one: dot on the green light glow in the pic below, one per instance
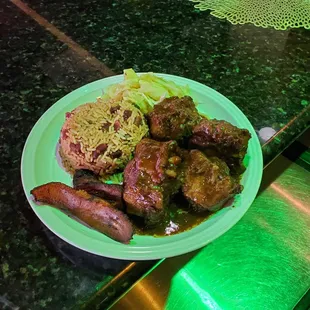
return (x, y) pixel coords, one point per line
(204, 296)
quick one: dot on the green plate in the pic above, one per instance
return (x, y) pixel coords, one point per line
(39, 166)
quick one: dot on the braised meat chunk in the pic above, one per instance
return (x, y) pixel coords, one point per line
(173, 118)
(207, 183)
(151, 178)
(222, 139)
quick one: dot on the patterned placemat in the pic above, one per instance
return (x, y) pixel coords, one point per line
(279, 14)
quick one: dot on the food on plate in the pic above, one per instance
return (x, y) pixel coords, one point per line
(101, 136)
(207, 183)
(222, 139)
(188, 158)
(93, 211)
(86, 180)
(173, 118)
(143, 91)
(151, 179)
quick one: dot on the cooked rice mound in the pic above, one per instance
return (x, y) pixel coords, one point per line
(101, 136)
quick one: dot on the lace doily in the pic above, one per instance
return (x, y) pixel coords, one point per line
(279, 14)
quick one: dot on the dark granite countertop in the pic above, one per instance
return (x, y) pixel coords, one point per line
(263, 71)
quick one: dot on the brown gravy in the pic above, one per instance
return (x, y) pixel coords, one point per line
(181, 218)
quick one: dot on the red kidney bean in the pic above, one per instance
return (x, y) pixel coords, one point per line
(138, 121)
(114, 109)
(76, 148)
(100, 149)
(127, 114)
(116, 154)
(64, 134)
(105, 126)
(117, 126)
(68, 114)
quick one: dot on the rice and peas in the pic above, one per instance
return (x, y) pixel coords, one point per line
(101, 136)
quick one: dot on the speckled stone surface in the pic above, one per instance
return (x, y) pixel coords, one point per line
(263, 71)
(37, 269)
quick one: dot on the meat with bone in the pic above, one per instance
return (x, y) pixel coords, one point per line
(222, 139)
(151, 178)
(173, 118)
(207, 183)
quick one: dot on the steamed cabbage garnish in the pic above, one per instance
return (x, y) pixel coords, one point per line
(144, 91)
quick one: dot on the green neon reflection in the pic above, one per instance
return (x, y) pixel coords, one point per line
(204, 296)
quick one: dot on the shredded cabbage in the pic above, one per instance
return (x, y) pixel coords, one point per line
(144, 91)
